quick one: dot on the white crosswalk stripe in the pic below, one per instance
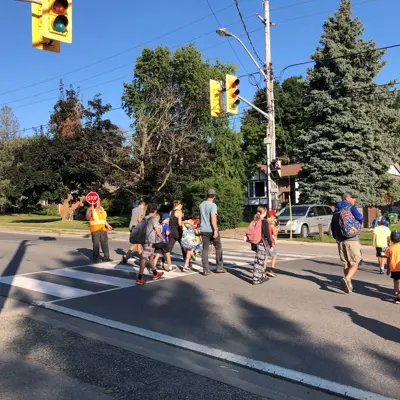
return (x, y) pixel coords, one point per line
(89, 280)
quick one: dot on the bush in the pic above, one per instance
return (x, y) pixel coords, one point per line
(50, 210)
(230, 199)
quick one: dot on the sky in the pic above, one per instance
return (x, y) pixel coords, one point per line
(109, 36)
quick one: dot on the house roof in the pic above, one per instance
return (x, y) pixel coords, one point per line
(286, 170)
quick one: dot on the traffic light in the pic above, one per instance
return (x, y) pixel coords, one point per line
(215, 98)
(57, 20)
(232, 93)
(38, 41)
(275, 169)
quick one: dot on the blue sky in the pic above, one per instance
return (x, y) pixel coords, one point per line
(107, 39)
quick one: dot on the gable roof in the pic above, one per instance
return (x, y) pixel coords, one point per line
(286, 170)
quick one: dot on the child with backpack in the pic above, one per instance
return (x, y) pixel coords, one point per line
(188, 242)
(258, 234)
(393, 255)
(162, 248)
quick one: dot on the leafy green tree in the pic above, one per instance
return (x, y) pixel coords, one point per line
(175, 142)
(348, 137)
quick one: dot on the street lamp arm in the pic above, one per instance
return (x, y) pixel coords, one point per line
(250, 55)
(32, 1)
(263, 113)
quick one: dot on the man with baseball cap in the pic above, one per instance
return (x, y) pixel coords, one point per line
(209, 233)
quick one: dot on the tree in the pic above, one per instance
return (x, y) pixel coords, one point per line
(9, 125)
(174, 138)
(349, 121)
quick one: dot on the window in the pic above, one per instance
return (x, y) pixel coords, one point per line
(251, 190)
(312, 212)
(297, 211)
(259, 189)
(320, 210)
(328, 210)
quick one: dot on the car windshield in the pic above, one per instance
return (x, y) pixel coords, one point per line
(297, 211)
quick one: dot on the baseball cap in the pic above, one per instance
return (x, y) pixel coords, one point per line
(272, 213)
(211, 192)
(164, 216)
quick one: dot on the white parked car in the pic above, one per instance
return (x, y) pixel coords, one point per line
(305, 219)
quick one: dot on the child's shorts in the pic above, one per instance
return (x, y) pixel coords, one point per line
(380, 252)
(395, 275)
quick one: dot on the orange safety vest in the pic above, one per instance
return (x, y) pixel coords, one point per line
(98, 220)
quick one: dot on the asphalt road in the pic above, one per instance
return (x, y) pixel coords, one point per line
(301, 321)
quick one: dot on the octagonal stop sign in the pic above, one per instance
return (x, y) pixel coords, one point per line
(92, 198)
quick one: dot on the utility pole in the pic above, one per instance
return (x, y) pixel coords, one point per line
(270, 138)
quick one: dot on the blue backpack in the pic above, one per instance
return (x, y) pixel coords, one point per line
(349, 226)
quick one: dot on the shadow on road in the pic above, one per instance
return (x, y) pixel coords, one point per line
(385, 331)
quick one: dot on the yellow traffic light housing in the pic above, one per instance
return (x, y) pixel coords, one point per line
(57, 20)
(232, 93)
(38, 41)
(215, 98)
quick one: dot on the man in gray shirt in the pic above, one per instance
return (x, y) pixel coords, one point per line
(209, 233)
(137, 215)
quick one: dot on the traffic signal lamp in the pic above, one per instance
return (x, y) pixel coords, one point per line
(232, 94)
(275, 169)
(38, 41)
(215, 98)
(57, 20)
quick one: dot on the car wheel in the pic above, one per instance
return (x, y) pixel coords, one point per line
(304, 231)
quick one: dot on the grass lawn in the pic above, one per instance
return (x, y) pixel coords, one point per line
(41, 221)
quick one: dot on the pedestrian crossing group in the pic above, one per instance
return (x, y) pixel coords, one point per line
(69, 283)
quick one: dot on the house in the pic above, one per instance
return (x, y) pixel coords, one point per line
(257, 187)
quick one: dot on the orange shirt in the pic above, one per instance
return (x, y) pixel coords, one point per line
(393, 253)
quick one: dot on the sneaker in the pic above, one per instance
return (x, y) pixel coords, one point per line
(260, 281)
(397, 300)
(185, 268)
(124, 260)
(158, 275)
(346, 286)
(140, 281)
(271, 274)
(220, 270)
(108, 259)
(207, 272)
(96, 261)
(381, 271)
(193, 257)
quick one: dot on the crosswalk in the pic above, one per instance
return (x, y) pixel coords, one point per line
(70, 283)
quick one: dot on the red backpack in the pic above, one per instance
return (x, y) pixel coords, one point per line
(254, 232)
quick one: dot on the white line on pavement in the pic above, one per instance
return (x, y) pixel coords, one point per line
(49, 288)
(261, 366)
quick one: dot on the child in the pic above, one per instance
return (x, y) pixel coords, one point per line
(162, 248)
(188, 242)
(196, 226)
(273, 231)
(380, 242)
(393, 255)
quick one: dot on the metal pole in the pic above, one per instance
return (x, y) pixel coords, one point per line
(266, 115)
(291, 217)
(270, 139)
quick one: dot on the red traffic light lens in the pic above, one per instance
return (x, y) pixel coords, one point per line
(236, 83)
(236, 93)
(60, 7)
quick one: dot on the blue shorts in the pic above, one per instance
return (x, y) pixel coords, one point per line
(271, 251)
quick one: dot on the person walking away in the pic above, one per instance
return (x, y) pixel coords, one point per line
(196, 226)
(148, 234)
(137, 216)
(99, 227)
(380, 242)
(188, 242)
(209, 233)
(346, 229)
(175, 225)
(258, 234)
(273, 231)
(393, 255)
(162, 248)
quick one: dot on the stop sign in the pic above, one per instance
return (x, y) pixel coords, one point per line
(92, 198)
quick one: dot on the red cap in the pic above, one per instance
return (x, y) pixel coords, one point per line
(272, 213)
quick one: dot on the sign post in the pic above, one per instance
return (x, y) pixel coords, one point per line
(92, 198)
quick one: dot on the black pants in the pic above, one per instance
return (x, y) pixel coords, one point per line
(173, 238)
(100, 237)
(208, 238)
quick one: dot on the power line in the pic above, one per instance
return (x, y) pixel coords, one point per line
(230, 44)
(247, 32)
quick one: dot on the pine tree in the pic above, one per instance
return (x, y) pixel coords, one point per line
(349, 123)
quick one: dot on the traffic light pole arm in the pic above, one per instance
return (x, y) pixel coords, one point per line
(31, 1)
(263, 113)
(250, 55)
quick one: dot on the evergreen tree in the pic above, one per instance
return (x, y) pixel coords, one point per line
(349, 127)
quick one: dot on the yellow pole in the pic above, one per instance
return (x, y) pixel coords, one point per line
(291, 222)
